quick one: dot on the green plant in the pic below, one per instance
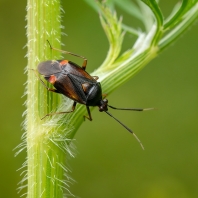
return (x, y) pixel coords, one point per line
(49, 141)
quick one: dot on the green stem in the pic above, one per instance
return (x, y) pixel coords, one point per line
(45, 158)
(181, 27)
(175, 19)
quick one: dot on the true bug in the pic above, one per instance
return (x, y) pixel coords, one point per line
(74, 82)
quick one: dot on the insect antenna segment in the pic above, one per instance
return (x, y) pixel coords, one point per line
(126, 129)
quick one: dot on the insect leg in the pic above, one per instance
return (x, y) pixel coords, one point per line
(49, 89)
(104, 96)
(50, 114)
(95, 77)
(89, 114)
(66, 52)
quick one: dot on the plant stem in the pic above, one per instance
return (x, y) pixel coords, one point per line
(45, 159)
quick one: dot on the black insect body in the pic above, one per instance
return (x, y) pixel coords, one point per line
(72, 81)
(75, 83)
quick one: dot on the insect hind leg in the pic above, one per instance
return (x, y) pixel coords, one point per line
(66, 52)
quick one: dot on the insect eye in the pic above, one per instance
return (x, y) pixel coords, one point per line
(101, 108)
(103, 105)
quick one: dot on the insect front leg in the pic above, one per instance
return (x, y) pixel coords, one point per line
(89, 114)
(49, 89)
(50, 114)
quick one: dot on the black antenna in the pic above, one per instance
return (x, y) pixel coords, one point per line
(125, 125)
(131, 109)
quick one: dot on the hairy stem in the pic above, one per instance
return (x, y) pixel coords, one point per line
(45, 158)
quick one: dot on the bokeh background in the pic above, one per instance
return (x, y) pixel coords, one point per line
(109, 162)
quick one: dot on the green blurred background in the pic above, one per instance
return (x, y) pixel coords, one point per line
(109, 162)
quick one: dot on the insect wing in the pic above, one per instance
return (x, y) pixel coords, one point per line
(69, 88)
(71, 80)
(73, 68)
(49, 67)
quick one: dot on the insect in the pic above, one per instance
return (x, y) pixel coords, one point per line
(74, 82)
